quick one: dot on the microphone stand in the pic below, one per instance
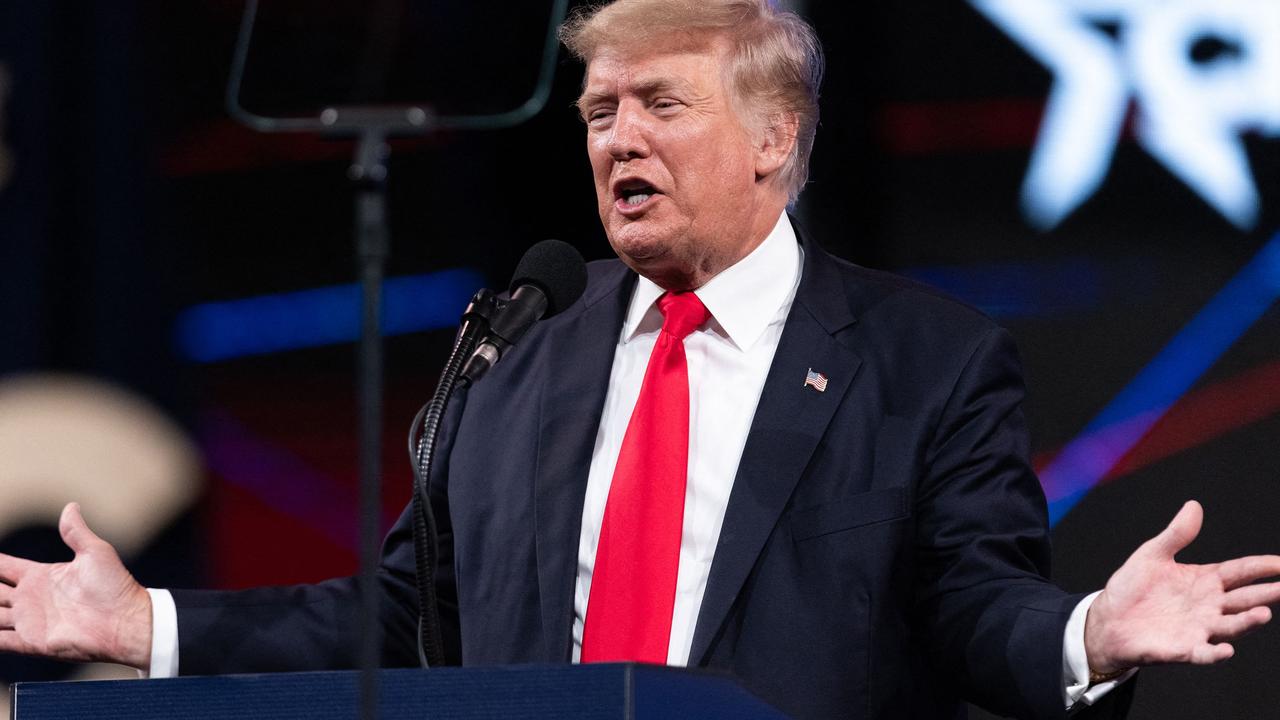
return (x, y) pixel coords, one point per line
(371, 127)
(422, 452)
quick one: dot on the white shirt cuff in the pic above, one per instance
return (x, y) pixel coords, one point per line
(1075, 661)
(164, 635)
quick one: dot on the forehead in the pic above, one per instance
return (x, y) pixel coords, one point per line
(616, 71)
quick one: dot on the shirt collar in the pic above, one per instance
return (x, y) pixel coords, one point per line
(743, 299)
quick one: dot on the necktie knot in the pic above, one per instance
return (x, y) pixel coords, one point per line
(682, 313)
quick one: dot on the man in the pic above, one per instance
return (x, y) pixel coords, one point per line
(809, 474)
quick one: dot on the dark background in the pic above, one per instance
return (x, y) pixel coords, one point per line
(133, 198)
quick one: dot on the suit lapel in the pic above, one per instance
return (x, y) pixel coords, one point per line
(572, 403)
(789, 422)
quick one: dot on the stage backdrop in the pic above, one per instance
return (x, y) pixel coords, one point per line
(1101, 177)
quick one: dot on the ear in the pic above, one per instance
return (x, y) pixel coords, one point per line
(775, 143)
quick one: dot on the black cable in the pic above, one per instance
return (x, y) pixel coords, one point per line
(422, 447)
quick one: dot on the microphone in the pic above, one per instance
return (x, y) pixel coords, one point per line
(550, 277)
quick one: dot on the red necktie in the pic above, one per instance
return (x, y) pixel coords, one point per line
(633, 584)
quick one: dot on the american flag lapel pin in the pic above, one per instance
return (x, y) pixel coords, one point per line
(815, 380)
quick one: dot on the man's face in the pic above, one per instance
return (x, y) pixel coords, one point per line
(675, 169)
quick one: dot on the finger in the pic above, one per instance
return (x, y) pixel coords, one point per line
(6, 596)
(75, 533)
(12, 569)
(1241, 571)
(1251, 596)
(1209, 654)
(6, 618)
(1230, 627)
(1184, 528)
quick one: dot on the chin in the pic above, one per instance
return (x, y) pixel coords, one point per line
(662, 269)
(639, 244)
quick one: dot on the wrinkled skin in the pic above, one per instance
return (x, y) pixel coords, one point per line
(665, 118)
(89, 609)
(1156, 610)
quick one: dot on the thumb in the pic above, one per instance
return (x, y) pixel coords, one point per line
(75, 533)
(1184, 528)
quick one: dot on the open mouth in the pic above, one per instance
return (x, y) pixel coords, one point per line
(634, 193)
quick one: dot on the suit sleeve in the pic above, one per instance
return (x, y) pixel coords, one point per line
(296, 628)
(994, 623)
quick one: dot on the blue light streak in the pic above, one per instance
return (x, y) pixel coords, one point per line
(1127, 418)
(218, 331)
(1020, 290)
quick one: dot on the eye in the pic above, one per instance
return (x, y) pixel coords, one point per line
(599, 117)
(665, 104)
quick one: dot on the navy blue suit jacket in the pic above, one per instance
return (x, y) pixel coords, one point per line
(884, 552)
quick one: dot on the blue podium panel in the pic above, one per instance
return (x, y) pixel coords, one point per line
(588, 692)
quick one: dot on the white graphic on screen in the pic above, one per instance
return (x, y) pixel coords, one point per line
(1201, 74)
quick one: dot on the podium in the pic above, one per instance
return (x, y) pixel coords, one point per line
(564, 692)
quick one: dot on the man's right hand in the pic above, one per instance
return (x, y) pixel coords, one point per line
(87, 610)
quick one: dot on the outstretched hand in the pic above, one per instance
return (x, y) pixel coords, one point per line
(1156, 610)
(89, 609)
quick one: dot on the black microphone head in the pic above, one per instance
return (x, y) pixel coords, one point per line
(557, 269)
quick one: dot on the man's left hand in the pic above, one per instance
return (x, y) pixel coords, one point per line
(1156, 610)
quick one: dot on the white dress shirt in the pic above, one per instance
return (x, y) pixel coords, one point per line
(728, 359)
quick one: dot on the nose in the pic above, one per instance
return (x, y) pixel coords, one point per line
(628, 138)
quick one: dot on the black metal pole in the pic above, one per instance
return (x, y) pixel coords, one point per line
(372, 125)
(369, 173)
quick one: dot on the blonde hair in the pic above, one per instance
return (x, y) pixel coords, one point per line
(775, 66)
